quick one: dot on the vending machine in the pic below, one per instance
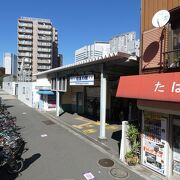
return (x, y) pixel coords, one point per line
(154, 141)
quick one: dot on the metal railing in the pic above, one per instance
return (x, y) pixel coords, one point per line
(172, 59)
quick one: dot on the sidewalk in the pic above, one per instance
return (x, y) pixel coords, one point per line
(90, 130)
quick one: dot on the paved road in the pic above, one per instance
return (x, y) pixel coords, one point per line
(56, 153)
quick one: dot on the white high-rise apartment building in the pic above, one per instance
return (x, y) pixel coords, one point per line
(126, 43)
(37, 47)
(91, 51)
(10, 63)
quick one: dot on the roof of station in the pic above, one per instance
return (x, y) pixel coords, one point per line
(98, 60)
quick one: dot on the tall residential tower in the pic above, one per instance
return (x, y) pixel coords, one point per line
(37, 47)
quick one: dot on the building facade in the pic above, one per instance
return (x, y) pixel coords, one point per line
(92, 51)
(37, 47)
(157, 88)
(126, 43)
(10, 63)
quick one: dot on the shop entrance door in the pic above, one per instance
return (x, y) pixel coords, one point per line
(79, 103)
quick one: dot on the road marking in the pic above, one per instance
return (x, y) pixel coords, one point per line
(24, 113)
(43, 135)
(89, 176)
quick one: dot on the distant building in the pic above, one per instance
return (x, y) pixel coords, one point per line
(37, 47)
(10, 64)
(126, 43)
(91, 51)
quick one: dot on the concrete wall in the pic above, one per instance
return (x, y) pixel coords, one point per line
(43, 81)
(27, 93)
(9, 87)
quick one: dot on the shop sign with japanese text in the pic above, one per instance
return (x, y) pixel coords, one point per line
(163, 87)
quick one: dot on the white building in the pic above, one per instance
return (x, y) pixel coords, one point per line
(10, 63)
(126, 43)
(91, 51)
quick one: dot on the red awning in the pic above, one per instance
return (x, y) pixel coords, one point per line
(162, 87)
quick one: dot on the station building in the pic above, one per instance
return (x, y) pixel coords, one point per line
(89, 87)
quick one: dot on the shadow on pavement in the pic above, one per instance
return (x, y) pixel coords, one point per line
(4, 175)
(8, 106)
(30, 160)
(117, 136)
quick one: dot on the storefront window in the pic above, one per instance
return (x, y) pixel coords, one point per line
(176, 145)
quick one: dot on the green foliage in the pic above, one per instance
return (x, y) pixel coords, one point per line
(129, 154)
(133, 136)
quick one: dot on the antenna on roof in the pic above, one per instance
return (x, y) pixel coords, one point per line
(160, 18)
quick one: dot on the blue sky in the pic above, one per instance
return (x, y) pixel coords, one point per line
(79, 22)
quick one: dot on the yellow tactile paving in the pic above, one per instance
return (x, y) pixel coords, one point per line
(80, 118)
(111, 127)
(89, 131)
(81, 126)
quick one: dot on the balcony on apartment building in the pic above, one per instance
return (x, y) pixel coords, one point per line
(43, 61)
(44, 26)
(25, 59)
(27, 31)
(23, 24)
(43, 67)
(44, 50)
(25, 48)
(172, 54)
(45, 32)
(44, 56)
(44, 44)
(27, 66)
(25, 54)
(21, 36)
(172, 60)
(45, 38)
(25, 42)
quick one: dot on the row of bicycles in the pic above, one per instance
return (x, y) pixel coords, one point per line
(12, 145)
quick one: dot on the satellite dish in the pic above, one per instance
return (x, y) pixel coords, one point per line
(160, 18)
